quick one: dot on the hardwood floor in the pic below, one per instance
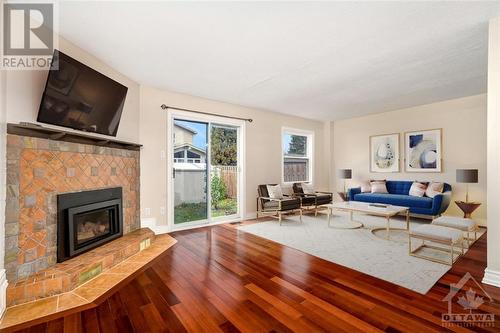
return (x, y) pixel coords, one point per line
(217, 279)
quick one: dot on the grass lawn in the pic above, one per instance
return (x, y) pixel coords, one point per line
(188, 212)
(226, 207)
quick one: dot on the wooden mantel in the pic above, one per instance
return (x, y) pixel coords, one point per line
(61, 135)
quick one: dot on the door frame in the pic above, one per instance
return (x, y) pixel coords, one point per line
(185, 115)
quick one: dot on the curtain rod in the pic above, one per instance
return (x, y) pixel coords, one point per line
(164, 107)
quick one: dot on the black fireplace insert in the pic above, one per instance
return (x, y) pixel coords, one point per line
(86, 220)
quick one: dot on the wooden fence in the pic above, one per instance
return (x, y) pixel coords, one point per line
(229, 175)
(295, 170)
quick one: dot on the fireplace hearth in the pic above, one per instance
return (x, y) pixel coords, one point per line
(86, 220)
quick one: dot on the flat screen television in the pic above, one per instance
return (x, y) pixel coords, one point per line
(79, 97)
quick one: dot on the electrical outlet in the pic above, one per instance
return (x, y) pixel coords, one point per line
(147, 212)
(162, 210)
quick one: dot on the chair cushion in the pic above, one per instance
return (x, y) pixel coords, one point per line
(319, 199)
(275, 191)
(286, 204)
(395, 199)
(437, 232)
(308, 188)
(297, 188)
(456, 223)
(308, 200)
(323, 199)
(287, 190)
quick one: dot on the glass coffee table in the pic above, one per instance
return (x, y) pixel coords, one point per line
(386, 211)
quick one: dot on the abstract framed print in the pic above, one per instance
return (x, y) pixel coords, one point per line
(423, 151)
(384, 153)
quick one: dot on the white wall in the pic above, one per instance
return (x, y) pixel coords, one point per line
(492, 273)
(463, 123)
(25, 88)
(263, 146)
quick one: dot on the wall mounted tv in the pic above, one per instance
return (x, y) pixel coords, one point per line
(79, 97)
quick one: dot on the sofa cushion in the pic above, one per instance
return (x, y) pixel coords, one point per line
(417, 189)
(395, 199)
(434, 189)
(378, 186)
(365, 187)
(398, 186)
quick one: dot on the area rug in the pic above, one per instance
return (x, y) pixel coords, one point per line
(358, 249)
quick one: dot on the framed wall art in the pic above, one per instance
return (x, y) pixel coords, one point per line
(384, 153)
(423, 151)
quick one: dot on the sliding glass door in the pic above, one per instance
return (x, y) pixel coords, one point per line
(190, 171)
(205, 171)
(224, 174)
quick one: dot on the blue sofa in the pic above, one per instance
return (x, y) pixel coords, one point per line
(399, 196)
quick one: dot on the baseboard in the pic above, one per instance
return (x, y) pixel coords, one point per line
(161, 229)
(148, 222)
(3, 291)
(251, 216)
(491, 277)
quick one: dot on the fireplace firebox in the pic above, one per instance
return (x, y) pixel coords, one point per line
(86, 220)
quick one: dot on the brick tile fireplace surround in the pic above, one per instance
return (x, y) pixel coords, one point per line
(40, 169)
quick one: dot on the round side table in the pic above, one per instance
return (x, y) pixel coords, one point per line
(468, 207)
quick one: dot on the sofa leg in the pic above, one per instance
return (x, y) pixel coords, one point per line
(300, 212)
(279, 217)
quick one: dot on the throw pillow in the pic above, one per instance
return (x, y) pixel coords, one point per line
(274, 191)
(434, 189)
(287, 189)
(308, 189)
(378, 186)
(365, 187)
(417, 189)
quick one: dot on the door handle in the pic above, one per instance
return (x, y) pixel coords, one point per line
(173, 172)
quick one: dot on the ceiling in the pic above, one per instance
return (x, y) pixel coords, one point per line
(320, 60)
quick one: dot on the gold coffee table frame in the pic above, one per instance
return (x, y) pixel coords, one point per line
(365, 208)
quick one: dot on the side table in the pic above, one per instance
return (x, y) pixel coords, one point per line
(468, 207)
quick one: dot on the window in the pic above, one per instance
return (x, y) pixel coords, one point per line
(297, 155)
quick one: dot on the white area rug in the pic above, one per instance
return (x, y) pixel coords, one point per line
(358, 249)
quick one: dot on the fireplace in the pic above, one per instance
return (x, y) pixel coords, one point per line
(86, 220)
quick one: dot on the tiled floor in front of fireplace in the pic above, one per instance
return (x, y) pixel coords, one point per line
(88, 292)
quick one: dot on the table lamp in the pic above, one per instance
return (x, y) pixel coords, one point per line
(344, 174)
(467, 176)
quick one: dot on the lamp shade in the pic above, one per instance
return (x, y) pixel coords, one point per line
(344, 173)
(467, 176)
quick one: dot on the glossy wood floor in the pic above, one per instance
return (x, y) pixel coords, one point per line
(217, 279)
